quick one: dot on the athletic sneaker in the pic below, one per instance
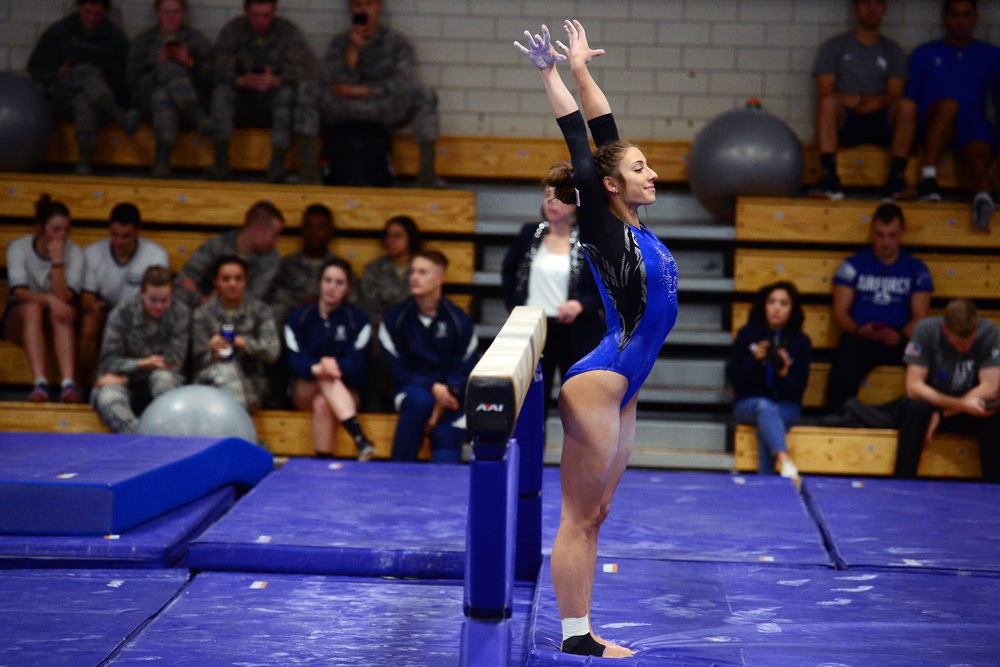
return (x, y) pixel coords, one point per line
(366, 450)
(928, 190)
(895, 188)
(828, 187)
(982, 210)
(40, 394)
(788, 469)
(70, 394)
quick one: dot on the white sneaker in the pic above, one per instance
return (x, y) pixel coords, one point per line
(788, 469)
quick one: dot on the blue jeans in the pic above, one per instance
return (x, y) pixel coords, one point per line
(773, 419)
(414, 412)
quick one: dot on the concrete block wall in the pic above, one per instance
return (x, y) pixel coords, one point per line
(671, 65)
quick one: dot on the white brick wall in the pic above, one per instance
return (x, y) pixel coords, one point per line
(672, 65)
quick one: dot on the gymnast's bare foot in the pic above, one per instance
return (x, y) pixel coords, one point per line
(612, 650)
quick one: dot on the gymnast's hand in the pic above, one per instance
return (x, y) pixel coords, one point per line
(579, 50)
(541, 53)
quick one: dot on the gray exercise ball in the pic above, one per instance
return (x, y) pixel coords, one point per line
(197, 410)
(742, 153)
(25, 123)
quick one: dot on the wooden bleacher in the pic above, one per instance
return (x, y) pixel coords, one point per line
(812, 271)
(461, 157)
(932, 225)
(283, 432)
(862, 451)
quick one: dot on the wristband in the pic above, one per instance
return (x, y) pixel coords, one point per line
(58, 265)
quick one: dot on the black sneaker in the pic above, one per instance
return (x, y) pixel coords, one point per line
(982, 210)
(928, 190)
(828, 187)
(366, 450)
(895, 188)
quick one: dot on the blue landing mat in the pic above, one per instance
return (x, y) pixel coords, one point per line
(345, 518)
(684, 614)
(77, 618)
(96, 484)
(919, 524)
(701, 517)
(159, 542)
(226, 618)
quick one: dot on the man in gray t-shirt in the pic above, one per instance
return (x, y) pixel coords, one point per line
(952, 381)
(860, 77)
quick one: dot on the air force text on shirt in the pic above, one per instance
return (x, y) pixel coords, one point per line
(883, 289)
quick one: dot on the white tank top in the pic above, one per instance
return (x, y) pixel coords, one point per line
(548, 284)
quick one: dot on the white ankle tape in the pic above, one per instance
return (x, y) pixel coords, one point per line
(574, 627)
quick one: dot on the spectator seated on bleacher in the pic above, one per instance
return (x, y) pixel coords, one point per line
(431, 347)
(327, 346)
(233, 338)
(950, 81)
(298, 278)
(385, 282)
(769, 371)
(169, 77)
(45, 272)
(80, 61)
(879, 295)
(115, 269)
(369, 74)
(264, 76)
(254, 243)
(545, 266)
(860, 77)
(144, 351)
(952, 384)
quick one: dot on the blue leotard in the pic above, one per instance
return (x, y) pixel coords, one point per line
(635, 273)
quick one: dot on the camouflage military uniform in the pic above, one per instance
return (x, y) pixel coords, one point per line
(296, 283)
(94, 86)
(237, 52)
(381, 287)
(388, 65)
(130, 336)
(167, 89)
(261, 269)
(244, 377)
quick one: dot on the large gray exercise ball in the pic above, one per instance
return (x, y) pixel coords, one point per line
(197, 410)
(25, 123)
(742, 153)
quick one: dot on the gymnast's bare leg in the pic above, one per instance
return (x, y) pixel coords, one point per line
(596, 447)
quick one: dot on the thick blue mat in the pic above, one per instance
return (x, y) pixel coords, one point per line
(727, 614)
(345, 518)
(96, 484)
(159, 542)
(227, 618)
(701, 517)
(77, 618)
(919, 524)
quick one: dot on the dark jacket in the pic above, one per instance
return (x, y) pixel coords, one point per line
(751, 378)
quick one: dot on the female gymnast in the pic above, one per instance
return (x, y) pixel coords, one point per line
(637, 278)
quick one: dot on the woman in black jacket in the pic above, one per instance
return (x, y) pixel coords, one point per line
(769, 371)
(546, 267)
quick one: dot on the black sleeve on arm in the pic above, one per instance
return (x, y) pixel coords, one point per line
(603, 129)
(592, 209)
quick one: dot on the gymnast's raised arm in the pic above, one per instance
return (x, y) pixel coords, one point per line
(579, 54)
(544, 57)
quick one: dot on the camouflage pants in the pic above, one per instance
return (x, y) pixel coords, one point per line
(114, 402)
(166, 94)
(418, 109)
(228, 377)
(75, 96)
(287, 110)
